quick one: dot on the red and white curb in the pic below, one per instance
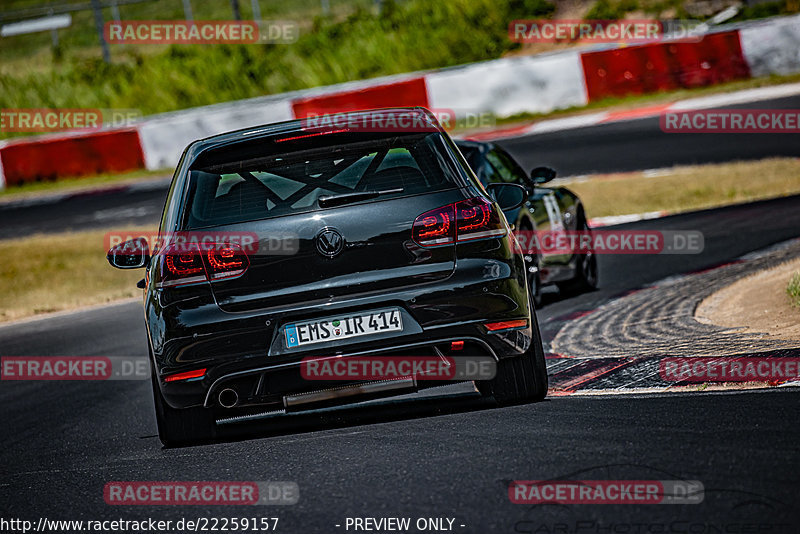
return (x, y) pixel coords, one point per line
(612, 220)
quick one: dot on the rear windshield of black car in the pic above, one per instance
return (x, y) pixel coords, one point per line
(262, 183)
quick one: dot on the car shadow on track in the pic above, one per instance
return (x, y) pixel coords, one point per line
(365, 413)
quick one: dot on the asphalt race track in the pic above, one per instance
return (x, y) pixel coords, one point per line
(451, 456)
(640, 144)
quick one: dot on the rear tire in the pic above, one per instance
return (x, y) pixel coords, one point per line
(585, 269)
(532, 272)
(520, 378)
(585, 276)
(178, 427)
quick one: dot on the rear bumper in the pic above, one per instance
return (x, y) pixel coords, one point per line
(241, 349)
(261, 382)
(272, 385)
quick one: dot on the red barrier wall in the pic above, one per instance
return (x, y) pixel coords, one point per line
(655, 67)
(406, 93)
(78, 155)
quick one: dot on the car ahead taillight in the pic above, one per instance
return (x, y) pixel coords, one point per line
(474, 218)
(190, 263)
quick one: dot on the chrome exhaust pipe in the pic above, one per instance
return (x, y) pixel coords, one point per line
(228, 398)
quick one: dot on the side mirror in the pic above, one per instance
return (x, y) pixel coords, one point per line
(542, 175)
(131, 254)
(507, 196)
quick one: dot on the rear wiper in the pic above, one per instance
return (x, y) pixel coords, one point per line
(348, 198)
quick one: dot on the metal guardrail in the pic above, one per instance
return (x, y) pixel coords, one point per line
(43, 11)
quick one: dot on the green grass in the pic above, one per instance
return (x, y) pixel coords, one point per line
(688, 188)
(793, 289)
(767, 9)
(82, 34)
(43, 274)
(407, 36)
(353, 42)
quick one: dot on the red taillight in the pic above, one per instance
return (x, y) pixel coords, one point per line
(190, 263)
(180, 264)
(457, 345)
(226, 261)
(435, 227)
(505, 325)
(475, 218)
(187, 375)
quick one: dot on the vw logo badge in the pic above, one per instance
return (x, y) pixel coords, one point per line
(329, 242)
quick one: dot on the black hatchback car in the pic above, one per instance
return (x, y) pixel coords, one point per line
(347, 241)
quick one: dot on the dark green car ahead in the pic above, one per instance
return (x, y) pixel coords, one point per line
(546, 209)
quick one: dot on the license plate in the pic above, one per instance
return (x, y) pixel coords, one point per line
(333, 329)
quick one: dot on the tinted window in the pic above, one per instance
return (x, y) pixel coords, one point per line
(473, 157)
(258, 187)
(505, 168)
